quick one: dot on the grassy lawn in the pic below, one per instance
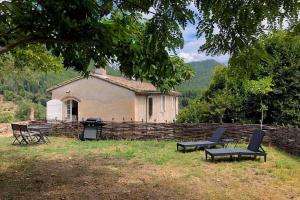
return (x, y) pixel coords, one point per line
(71, 169)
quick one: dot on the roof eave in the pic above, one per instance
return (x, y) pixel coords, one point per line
(144, 92)
(173, 93)
(64, 83)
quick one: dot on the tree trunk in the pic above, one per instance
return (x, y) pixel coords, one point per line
(31, 116)
(262, 113)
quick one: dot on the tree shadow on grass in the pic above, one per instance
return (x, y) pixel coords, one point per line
(80, 178)
(190, 150)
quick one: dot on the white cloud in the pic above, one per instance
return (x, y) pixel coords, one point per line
(192, 56)
(191, 45)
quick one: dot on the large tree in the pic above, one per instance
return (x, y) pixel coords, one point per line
(230, 26)
(276, 56)
(103, 31)
(263, 80)
(114, 31)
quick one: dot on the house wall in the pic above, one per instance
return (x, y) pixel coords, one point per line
(98, 98)
(142, 108)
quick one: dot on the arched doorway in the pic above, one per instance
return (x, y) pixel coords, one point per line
(72, 110)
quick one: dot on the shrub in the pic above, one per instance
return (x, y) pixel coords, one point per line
(23, 110)
(12, 96)
(39, 111)
(6, 117)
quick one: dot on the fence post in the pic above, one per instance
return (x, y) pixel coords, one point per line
(132, 124)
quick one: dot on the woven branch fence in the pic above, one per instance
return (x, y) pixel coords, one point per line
(285, 138)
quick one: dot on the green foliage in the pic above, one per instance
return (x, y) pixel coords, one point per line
(36, 57)
(26, 74)
(203, 72)
(219, 104)
(25, 107)
(213, 102)
(231, 26)
(218, 81)
(193, 87)
(11, 96)
(265, 78)
(259, 87)
(6, 117)
(115, 31)
(24, 110)
(207, 110)
(30, 81)
(39, 111)
(283, 52)
(102, 31)
(186, 96)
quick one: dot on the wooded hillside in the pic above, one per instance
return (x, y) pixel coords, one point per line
(203, 73)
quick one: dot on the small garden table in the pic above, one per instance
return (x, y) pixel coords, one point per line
(230, 141)
(43, 130)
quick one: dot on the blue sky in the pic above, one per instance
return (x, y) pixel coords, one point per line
(191, 45)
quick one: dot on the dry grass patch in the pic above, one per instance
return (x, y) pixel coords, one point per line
(70, 169)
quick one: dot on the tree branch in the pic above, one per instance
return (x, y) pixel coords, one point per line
(11, 46)
(31, 40)
(140, 7)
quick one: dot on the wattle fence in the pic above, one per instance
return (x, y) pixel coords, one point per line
(285, 138)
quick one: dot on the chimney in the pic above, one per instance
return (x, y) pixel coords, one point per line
(100, 71)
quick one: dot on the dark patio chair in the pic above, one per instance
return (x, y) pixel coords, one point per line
(213, 141)
(18, 135)
(254, 148)
(31, 136)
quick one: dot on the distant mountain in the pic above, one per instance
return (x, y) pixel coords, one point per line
(203, 72)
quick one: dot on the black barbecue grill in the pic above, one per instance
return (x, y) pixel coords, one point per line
(92, 129)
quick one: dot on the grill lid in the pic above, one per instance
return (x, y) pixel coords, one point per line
(93, 119)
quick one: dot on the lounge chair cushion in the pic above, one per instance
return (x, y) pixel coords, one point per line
(197, 143)
(230, 151)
